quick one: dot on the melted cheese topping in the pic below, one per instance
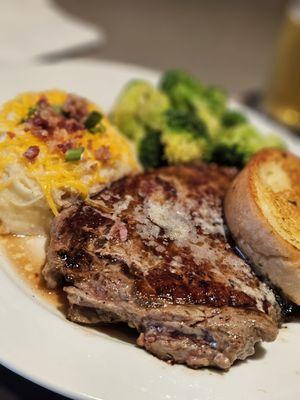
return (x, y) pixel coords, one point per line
(49, 169)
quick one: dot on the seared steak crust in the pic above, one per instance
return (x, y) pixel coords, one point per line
(151, 250)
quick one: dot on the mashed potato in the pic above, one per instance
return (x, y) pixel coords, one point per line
(54, 148)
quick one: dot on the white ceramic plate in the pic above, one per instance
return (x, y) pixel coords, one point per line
(37, 342)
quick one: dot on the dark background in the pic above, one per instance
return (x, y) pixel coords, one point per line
(227, 42)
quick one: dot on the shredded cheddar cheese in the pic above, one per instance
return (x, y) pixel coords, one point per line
(50, 168)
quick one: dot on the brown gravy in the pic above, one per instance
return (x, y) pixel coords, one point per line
(27, 254)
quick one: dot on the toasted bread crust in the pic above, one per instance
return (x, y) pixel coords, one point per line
(264, 241)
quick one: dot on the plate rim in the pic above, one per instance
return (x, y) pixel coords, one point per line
(41, 380)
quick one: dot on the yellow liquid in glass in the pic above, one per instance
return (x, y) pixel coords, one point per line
(282, 99)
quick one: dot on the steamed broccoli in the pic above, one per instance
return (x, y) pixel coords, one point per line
(216, 99)
(150, 150)
(184, 121)
(181, 89)
(235, 146)
(232, 118)
(187, 94)
(185, 138)
(140, 106)
(143, 113)
(183, 147)
(140, 114)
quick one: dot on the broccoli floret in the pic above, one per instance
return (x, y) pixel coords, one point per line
(216, 99)
(236, 145)
(139, 107)
(232, 118)
(210, 119)
(151, 150)
(181, 88)
(140, 114)
(187, 94)
(184, 147)
(185, 138)
(183, 121)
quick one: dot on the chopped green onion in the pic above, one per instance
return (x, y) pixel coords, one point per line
(100, 128)
(31, 111)
(93, 119)
(74, 154)
(57, 108)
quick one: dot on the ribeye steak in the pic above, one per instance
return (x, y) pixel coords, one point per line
(151, 250)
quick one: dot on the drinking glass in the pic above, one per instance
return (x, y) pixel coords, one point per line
(282, 97)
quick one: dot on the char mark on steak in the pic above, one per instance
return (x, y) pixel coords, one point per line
(151, 250)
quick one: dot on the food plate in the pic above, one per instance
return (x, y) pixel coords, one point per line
(40, 344)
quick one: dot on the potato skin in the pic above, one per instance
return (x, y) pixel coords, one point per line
(274, 256)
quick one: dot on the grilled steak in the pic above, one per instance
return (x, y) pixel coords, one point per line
(151, 250)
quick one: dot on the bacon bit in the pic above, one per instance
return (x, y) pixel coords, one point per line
(40, 127)
(103, 154)
(31, 153)
(75, 107)
(64, 147)
(46, 122)
(43, 102)
(11, 134)
(71, 125)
